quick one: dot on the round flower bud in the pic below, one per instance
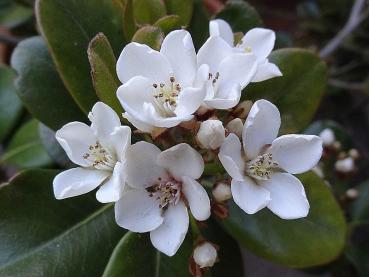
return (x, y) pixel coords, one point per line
(211, 134)
(352, 193)
(345, 166)
(205, 255)
(235, 126)
(222, 192)
(327, 136)
(354, 153)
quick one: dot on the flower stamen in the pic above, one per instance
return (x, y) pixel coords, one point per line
(100, 157)
(166, 191)
(166, 97)
(261, 167)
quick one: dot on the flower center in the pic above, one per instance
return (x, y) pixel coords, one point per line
(100, 157)
(166, 97)
(261, 167)
(214, 78)
(166, 191)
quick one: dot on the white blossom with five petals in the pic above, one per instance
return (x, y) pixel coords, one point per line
(160, 89)
(99, 150)
(162, 183)
(262, 172)
(225, 72)
(259, 41)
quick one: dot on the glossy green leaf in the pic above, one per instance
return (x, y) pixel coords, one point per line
(10, 105)
(103, 72)
(183, 9)
(317, 239)
(199, 25)
(13, 15)
(360, 208)
(298, 92)
(135, 256)
(148, 11)
(129, 24)
(240, 15)
(357, 248)
(39, 85)
(149, 35)
(68, 27)
(25, 148)
(52, 146)
(43, 236)
(168, 23)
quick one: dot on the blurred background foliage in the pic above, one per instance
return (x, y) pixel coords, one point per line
(55, 67)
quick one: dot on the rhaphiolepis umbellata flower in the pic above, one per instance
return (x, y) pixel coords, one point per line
(99, 150)
(160, 89)
(162, 182)
(258, 41)
(262, 171)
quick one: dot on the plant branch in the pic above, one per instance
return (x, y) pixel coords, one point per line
(357, 15)
(347, 85)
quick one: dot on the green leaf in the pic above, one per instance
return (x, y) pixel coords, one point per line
(317, 239)
(13, 15)
(52, 146)
(129, 24)
(199, 25)
(183, 9)
(148, 11)
(103, 72)
(25, 149)
(240, 15)
(168, 23)
(149, 35)
(68, 27)
(135, 256)
(298, 92)
(39, 86)
(10, 105)
(360, 208)
(357, 248)
(42, 236)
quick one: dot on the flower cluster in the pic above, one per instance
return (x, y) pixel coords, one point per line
(153, 188)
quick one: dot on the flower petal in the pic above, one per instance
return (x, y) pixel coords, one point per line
(138, 212)
(297, 153)
(178, 48)
(230, 155)
(112, 190)
(103, 120)
(225, 97)
(77, 181)
(168, 237)
(237, 68)
(260, 40)
(214, 50)
(142, 168)
(197, 198)
(265, 71)
(76, 138)
(182, 160)
(140, 125)
(249, 196)
(261, 127)
(140, 60)
(288, 198)
(219, 27)
(120, 139)
(189, 100)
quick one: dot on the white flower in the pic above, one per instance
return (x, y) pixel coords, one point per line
(211, 134)
(328, 137)
(100, 151)
(346, 165)
(226, 72)
(258, 41)
(222, 192)
(205, 255)
(261, 172)
(235, 126)
(160, 88)
(162, 183)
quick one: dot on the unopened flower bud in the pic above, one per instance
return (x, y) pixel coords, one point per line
(345, 166)
(337, 145)
(211, 134)
(235, 126)
(205, 255)
(352, 193)
(328, 137)
(222, 192)
(353, 153)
